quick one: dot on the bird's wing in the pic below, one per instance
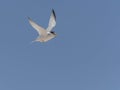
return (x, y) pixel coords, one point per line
(52, 21)
(39, 29)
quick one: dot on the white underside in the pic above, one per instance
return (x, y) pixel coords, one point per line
(45, 38)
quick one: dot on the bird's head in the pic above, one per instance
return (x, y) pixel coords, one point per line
(53, 32)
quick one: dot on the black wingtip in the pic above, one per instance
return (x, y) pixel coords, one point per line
(29, 18)
(54, 13)
(52, 10)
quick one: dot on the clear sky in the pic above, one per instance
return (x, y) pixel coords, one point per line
(85, 55)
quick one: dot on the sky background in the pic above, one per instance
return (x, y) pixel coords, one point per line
(85, 55)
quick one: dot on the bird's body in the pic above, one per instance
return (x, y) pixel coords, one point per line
(46, 37)
(45, 34)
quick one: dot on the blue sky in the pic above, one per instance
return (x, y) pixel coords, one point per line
(85, 55)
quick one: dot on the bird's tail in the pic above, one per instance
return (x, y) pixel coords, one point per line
(37, 39)
(32, 41)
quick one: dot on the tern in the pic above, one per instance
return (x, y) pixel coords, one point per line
(45, 34)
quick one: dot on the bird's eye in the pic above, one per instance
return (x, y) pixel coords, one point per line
(52, 32)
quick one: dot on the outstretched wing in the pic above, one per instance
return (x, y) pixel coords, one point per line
(52, 21)
(39, 29)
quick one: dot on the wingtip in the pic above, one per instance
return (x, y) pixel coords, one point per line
(52, 10)
(28, 17)
(54, 13)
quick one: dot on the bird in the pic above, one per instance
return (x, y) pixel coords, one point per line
(45, 34)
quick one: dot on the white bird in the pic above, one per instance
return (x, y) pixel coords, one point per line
(45, 34)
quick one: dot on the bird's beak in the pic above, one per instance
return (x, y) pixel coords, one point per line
(55, 34)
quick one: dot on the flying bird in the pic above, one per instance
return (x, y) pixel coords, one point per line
(45, 34)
